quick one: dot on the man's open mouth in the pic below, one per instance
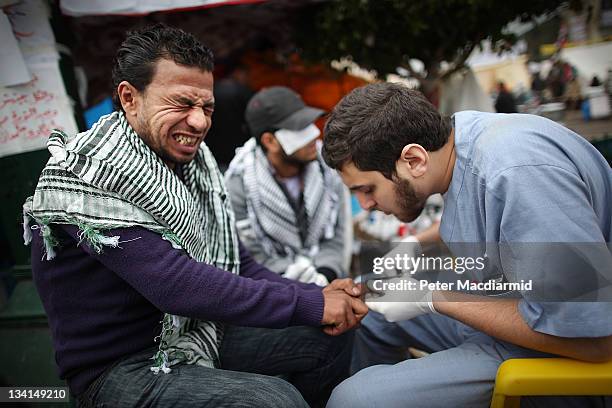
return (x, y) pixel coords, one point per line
(185, 140)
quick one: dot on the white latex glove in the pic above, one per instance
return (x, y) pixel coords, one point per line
(409, 246)
(399, 303)
(320, 280)
(296, 270)
(310, 275)
(301, 270)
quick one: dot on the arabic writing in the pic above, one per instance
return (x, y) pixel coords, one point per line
(29, 112)
(27, 115)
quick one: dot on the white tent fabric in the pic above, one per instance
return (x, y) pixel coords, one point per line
(590, 59)
(79, 8)
(462, 92)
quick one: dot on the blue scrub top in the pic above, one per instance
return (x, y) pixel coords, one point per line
(525, 179)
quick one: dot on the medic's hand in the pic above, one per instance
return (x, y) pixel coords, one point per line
(409, 247)
(398, 298)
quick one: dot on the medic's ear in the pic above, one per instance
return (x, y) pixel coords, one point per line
(413, 160)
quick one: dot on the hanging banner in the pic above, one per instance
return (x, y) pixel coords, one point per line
(33, 100)
(79, 8)
(30, 25)
(13, 69)
(30, 111)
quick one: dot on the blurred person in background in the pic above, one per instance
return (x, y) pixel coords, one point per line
(228, 130)
(538, 86)
(505, 102)
(573, 93)
(289, 205)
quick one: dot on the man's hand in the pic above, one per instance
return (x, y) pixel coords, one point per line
(347, 285)
(399, 298)
(341, 312)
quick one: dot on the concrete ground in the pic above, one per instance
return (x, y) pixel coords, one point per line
(590, 130)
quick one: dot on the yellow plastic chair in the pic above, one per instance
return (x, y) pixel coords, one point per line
(549, 376)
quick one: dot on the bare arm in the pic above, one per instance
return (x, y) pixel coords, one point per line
(500, 318)
(557, 198)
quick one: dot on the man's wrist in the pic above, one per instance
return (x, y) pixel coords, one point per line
(309, 308)
(437, 300)
(446, 301)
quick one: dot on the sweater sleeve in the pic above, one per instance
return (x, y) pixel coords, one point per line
(250, 268)
(177, 284)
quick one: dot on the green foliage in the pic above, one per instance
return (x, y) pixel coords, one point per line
(384, 34)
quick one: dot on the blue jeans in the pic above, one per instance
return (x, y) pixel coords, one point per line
(252, 362)
(459, 372)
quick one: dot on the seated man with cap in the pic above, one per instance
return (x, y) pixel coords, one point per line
(289, 205)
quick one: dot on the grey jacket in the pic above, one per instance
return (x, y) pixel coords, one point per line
(331, 252)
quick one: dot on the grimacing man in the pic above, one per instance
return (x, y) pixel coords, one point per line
(151, 298)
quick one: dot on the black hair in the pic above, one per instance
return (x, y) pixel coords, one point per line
(136, 57)
(371, 125)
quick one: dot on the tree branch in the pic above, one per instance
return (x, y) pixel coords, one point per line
(459, 62)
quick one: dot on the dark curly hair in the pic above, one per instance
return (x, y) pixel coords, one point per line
(371, 125)
(136, 57)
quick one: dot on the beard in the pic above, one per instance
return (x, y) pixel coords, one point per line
(145, 132)
(146, 135)
(294, 161)
(406, 199)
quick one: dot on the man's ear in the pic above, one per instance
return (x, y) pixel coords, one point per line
(413, 160)
(129, 98)
(270, 143)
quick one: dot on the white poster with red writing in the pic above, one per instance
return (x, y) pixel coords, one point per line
(29, 112)
(33, 100)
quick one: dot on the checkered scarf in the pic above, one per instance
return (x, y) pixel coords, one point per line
(107, 178)
(273, 219)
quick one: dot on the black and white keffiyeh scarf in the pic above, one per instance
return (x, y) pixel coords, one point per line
(271, 216)
(107, 178)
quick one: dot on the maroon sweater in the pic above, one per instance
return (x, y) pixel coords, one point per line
(103, 307)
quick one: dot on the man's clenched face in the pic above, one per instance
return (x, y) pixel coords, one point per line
(173, 113)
